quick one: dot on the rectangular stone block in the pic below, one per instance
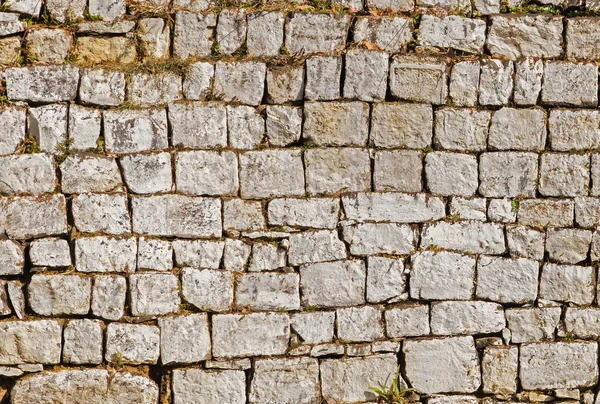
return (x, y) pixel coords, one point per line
(271, 173)
(546, 212)
(429, 276)
(101, 213)
(380, 238)
(315, 246)
(574, 129)
(336, 123)
(564, 174)
(402, 125)
(398, 170)
(472, 237)
(51, 295)
(365, 75)
(518, 129)
(265, 33)
(193, 33)
(52, 252)
(206, 173)
(461, 129)
(153, 294)
(184, 118)
(30, 342)
(132, 131)
(243, 82)
(390, 33)
(508, 174)
(582, 38)
(28, 217)
(42, 83)
(418, 79)
(507, 280)
(393, 207)
(496, 82)
(465, 34)
(184, 339)
(321, 213)
(316, 33)
(407, 321)
(210, 387)
(103, 254)
(268, 291)
(27, 174)
(568, 283)
(452, 318)
(464, 83)
(89, 173)
(292, 380)
(334, 170)
(13, 120)
(333, 284)
(570, 84)
(133, 344)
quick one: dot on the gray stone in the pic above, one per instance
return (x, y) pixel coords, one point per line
(508, 174)
(267, 257)
(267, 291)
(85, 125)
(558, 365)
(42, 83)
(451, 173)
(396, 5)
(334, 170)
(502, 210)
(31, 217)
(198, 253)
(574, 129)
(265, 33)
(284, 125)
(333, 284)
(349, 380)
(177, 215)
(27, 174)
(327, 350)
(518, 129)
(103, 254)
(499, 367)
(451, 318)
(582, 38)
(570, 84)
(206, 173)
(467, 209)
(316, 32)
(407, 321)
(315, 246)
(496, 82)
(524, 242)
(530, 35)
(587, 211)
(557, 213)
(108, 297)
(474, 237)
(236, 335)
(239, 214)
(320, 213)
(464, 82)
(235, 255)
(240, 81)
(582, 323)
(398, 170)
(183, 118)
(37, 341)
(486, 7)
(10, 24)
(567, 283)
(429, 276)
(402, 125)
(208, 290)
(246, 127)
(564, 174)
(285, 84)
(393, 207)
(231, 30)
(194, 6)
(197, 81)
(442, 365)
(102, 87)
(506, 280)
(271, 173)
(193, 33)
(465, 34)
(51, 252)
(336, 124)
(528, 81)
(153, 294)
(132, 131)
(313, 328)
(125, 387)
(149, 90)
(147, 173)
(132, 344)
(210, 387)
(233, 364)
(418, 79)
(48, 126)
(323, 76)
(532, 324)
(279, 381)
(390, 33)
(380, 238)
(107, 9)
(51, 295)
(358, 324)
(568, 246)
(13, 122)
(101, 213)
(154, 254)
(461, 129)
(48, 45)
(184, 339)
(155, 37)
(113, 27)
(365, 75)
(386, 279)
(83, 342)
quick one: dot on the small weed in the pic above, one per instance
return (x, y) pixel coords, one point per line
(392, 393)
(64, 150)
(28, 145)
(215, 50)
(455, 217)
(307, 144)
(91, 17)
(310, 308)
(515, 204)
(4, 101)
(119, 358)
(568, 337)
(283, 50)
(283, 309)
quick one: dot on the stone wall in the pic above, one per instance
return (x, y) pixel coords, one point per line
(290, 202)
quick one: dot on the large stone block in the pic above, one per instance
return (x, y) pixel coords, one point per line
(508, 174)
(42, 83)
(429, 278)
(452, 318)
(243, 82)
(271, 173)
(507, 280)
(461, 129)
(313, 212)
(407, 321)
(546, 212)
(108, 297)
(103, 254)
(518, 129)
(359, 324)
(365, 75)
(315, 246)
(51, 295)
(499, 367)
(83, 173)
(316, 33)
(334, 170)
(193, 33)
(153, 294)
(496, 82)
(13, 122)
(323, 77)
(28, 217)
(206, 173)
(570, 84)
(418, 79)
(184, 118)
(464, 34)
(532, 323)
(27, 174)
(210, 387)
(380, 238)
(451, 173)
(265, 33)
(333, 284)
(393, 207)
(564, 174)
(402, 125)
(390, 33)
(30, 342)
(576, 129)
(336, 124)
(83, 342)
(132, 344)
(268, 291)
(568, 283)
(132, 131)
(582, 38)
(464, 83)
(101, 213)
(473, 237)
(386, 279)
(208, 290)
(184, 339)
(147, 173)
(48, 125)
(279, 381)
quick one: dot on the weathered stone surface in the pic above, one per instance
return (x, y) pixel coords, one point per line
(587, 211)
(316, 33)
(392, 207)
(468, 209)
(582, 323)
(396, 5)
(177, 215)
(429, 276)
(192, 34)
(51, 295)
(570, 84)
(197, 81)
(211, 387)
(208, 290)
(101, 213)
(507, 280)
(336, 124)
(380, 238)
(359, 324)
(183, 118)
(401, 125)
(271, 173)
(81, 173)
(502, 210)
(265, 33)
(335, 170)
(365, 75)
(83, 342)
(323, 76)
(131, 131)
(31, 217)
(153, 294)
(154, 89)
(333, 284)
(132, 343)
(574, 129)
(184, 339)
(50, 252)
(464, 81)
(235, 255)
(239, 214)
(313, 328)
(198, 253)
(508, 174)
(103, 254)
(240, 81)
(407, 321)
(231, 30)
(473, 237)
(518, 129)
(27, 174)
(267, 257)
(558, 365)
(582, 38)
(525, 35)
(465, 34)
(348, 380)
(528, 81)
(442, 365)
(42, 83)
(285, 84)
(268, 291)
(390, 33)
(284, 125)
(85, 125)
(30, 342)
(246, 127)
(48, 126)
(319, 213)
(524, 242)
(155, 37)
(556, 213)
(285, 381)
(147, 173)
(461, 129)
(499, 367)
(418, 79)
(102, 87)
(106, 49)
(236, 335)
(569, 246)
(386, 279)
(451, 173)
(108, 10)
(48, 45)
(496, 82)
(110, 27)
(452, 318)
(10, 24)
(13, 122)
(315, 246)
(567, 283)
(108, 297)
(564, 174)
(206, 173)
(398, 170)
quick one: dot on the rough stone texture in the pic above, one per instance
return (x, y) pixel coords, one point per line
(334, 170)
(27, 174)
(582, 37)
(313, 212)
(564, 174)
(573, 129)
(451, 318)
(268, 291)
(313, 33)
(570, 84)
(208, 290)
(206, 173)
(265, 174)
(365, 75)
(103, 254)
(102, 87)
(211, 387)
(37, 341)
(508, 174)
(323, 76)
(296, 381)
(463, 83)
(285, 84)
(465, 34)
(407, 321)
(132, 343)
(569, 246)
(418, 79)
(473, 237)
(101, 213)
(153, 89)
(13, 121)
(42, 83)
(81, 173)
(557, 213)
(387, 32)
(48, 126)
(392, 207)
(507, 280)
(29, 217)
(567, 283)
(184, 339)
(401, 125)
(461, 129)
(51, 252)
(528, 81)
(380, 238)
(518, 129)
(131, 131)
(192, 34)
(499, 367)
(51, 295)
(429, 278)
(265, 33)
(48, 45)
(108, 297)
(153, 294)
(83, 342)
(114, 49)
(197, 81)
(336, 124)
(240, 81)
(359, 324)
(188, 134)
(84, 127)
(348, 288)
(451, 173)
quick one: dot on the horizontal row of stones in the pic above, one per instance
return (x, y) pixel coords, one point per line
(262, 34)
(187, 339)
(368, 75)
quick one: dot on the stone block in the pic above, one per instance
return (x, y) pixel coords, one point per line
(51, 252)
(42, 83)
(333, 284)
(390, 33)
(271, 173)
(31, 217)
(192, 34)
(246, 127)
(568, 283)
(582, 35)
(231, 30)
(101, 213)
(184, 339)
(496, 82)
(51, 295)
(267, 291)
(451, 173)
(528, 81)
(13, 122)
(85, 125)
(211, 387)
(147, 173)
(574, 129)
(294, 380)
(284, 125)
(568, 246)
(323, 77)
(267, 257)
(108, 10)
(518, 129)
(48, 45)
(316, 32)
(285, 84)
(564, 174)
(570, 84)
(37, 341)
(155, 38)
(315, 246)
(452, 318)
(208, 290)
(380, 238)
(429, 276)
(407, 321)
(393, 207)
(206, 173)
(334, 170)
(464, 82)
(402, 125)
(32, 174)
(508, 174)
(108, 297)
(386, 279)
(320, 213)
(499, 367)
(533, 323)
(336, 123)
(154, 254)
(198, 253)
(83, 342)
(241, 215)
(365, 75)
(84, 173)
(132, 131)
(103, 254)
(265, 33)
(469, 237)
(183, 118)
(505, 280)
(111, 49)
(398, 170)
(153, 294)
(197, 81)
(48, 125)
(102, 87)
(313, 328)
(359, 324)
(418, 79)
(148, 90)
(464, 34)
(133, 344)
(243, 82)
(461, 129)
